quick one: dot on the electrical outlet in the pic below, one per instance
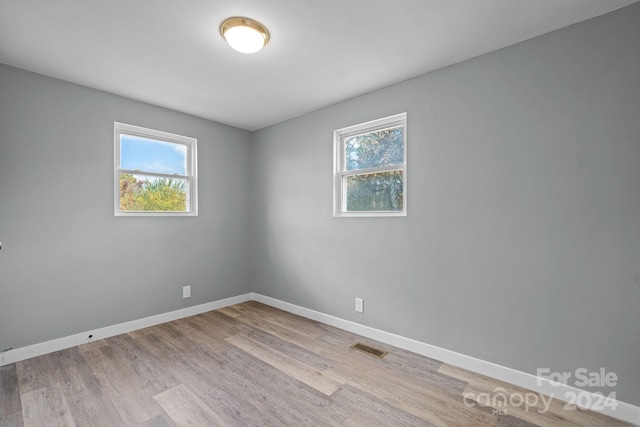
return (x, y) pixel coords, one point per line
(186, 292)
(359, 305)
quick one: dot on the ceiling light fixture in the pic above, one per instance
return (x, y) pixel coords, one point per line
(244, 35)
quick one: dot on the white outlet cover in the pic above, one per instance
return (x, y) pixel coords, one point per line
(186, 291)
(359, 305)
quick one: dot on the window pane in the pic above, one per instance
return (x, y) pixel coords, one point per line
(153, 194)
(375, 192)
(149, 155)
(380, 148)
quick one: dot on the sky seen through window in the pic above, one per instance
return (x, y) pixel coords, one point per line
(149, 155)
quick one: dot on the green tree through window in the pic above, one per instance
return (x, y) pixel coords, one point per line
(155, 172)
(161, 194)
(370, 167)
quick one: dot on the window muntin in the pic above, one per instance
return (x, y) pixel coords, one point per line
(155, 173)
(370, 168)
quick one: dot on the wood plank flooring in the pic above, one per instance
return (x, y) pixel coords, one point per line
(254, 365)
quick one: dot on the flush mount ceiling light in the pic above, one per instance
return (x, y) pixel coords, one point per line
(244, 35)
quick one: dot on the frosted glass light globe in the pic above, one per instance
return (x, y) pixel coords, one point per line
(244, 35)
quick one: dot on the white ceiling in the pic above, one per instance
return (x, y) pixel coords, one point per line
(170, 53)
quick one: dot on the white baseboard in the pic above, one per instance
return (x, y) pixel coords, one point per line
(46, 347)
(623, 411)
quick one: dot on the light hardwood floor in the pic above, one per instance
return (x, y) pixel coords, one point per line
(254, 365)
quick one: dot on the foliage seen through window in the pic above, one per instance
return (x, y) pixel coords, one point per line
(155, 172)
(370, 176)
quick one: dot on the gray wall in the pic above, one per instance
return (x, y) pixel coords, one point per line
(68, 265)
(522, 240)
(521, 247)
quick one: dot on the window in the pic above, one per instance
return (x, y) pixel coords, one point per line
(155, 173)
(370, 168)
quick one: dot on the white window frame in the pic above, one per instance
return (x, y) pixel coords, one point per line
(191, 175)
(340, 171)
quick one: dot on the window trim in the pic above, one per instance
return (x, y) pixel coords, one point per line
(191, 176)
(340, 171)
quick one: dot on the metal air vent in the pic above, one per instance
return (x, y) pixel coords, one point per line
(369, 350)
